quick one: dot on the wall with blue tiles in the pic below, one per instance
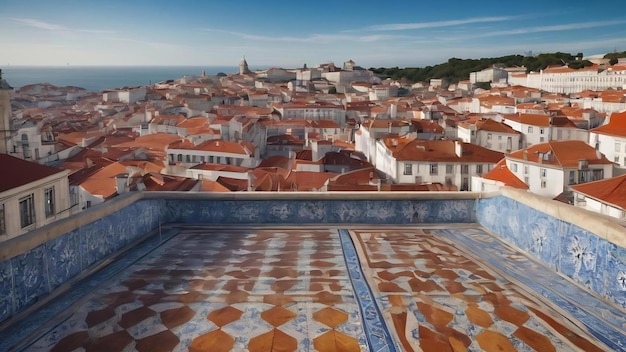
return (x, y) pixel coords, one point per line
(289, 211)
(30, 276)
(588, 259)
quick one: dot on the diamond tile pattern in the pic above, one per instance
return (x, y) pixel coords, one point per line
(441, 299)
(222, 290)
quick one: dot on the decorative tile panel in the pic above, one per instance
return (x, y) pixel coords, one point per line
(591, 261)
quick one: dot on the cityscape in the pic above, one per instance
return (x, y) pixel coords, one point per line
(315, 205)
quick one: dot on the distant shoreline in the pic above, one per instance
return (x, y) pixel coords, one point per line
(99, 78)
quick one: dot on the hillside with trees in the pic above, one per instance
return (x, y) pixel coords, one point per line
(459, 69)
(614, 56)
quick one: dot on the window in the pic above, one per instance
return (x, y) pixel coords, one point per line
(187, 158)
(618, 147)
(449, 168)
(49, 201)
(179, 157)
(479, 169)
(514, 167)
(616, 158)
(88, 205)
(408, 169)
(530, 129)
(27, 211)
(433, 169)
(499, 138)
(541, 130)
(526, 180)
(597, 175)
(464, 168)
(3, 226)
(488, 136)
(525, 169)
(572, 177)
(543, 172)
(543, 183)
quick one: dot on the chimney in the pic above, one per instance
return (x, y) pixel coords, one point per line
(389, 127)
(525, 154)
(121, 183)
(458, 148)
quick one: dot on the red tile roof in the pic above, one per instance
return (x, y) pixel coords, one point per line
(502, 173)
(564, 154)
(615, 127)
(20, 172)
(439, 151)
(612, 190)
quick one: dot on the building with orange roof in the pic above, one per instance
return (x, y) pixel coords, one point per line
(211, 172)
(610, 139)
(606, 196)
(496, 103)
(489, 133)
(440, 161)
(216, 151)
(499, 176)
(607, 101)
(31, 196)
(317, 110)
(583, 118)
(550, 168)
(541, 128)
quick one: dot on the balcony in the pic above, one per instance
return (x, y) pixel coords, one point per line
(303, 271)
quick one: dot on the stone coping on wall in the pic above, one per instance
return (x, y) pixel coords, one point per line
(602, 226)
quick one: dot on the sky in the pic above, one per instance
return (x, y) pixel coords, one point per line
(291, 33)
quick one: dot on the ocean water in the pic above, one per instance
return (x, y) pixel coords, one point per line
(99, 78)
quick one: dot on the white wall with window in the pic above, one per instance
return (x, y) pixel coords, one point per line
(34, 205)
(613, 147)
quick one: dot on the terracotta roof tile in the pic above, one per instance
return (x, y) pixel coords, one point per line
(502, 173)
(564, 154)
(612, 190)
(615, 127)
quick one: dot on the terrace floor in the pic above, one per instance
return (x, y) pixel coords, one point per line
(368, 288)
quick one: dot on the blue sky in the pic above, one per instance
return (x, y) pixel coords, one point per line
(290, 33)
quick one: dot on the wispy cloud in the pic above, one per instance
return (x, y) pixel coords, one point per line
(313, 38)
(434, 24)
(155, 45)
(555, 28)
(35, 23)
(40, 24)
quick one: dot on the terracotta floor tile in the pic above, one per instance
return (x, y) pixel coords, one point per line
(535, 340)
(493, 341)
(334, 341)
(98, 316)
(274, 341)
(478, 316)
(277, 299)
(115, 342)
(164, 341)
(214, 341)
(135, 316)
(71, 342)
(511, 314)
(224, 315)
(330, 317)
(177, 316)
(277, 316)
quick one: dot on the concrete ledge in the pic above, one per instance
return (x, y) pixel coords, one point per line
(603, 226)
(313, 195)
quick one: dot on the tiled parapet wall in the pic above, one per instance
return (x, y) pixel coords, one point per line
(587, 247)
(35, 264)
(348, 208)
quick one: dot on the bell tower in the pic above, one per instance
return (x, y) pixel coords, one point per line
(5, 114)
